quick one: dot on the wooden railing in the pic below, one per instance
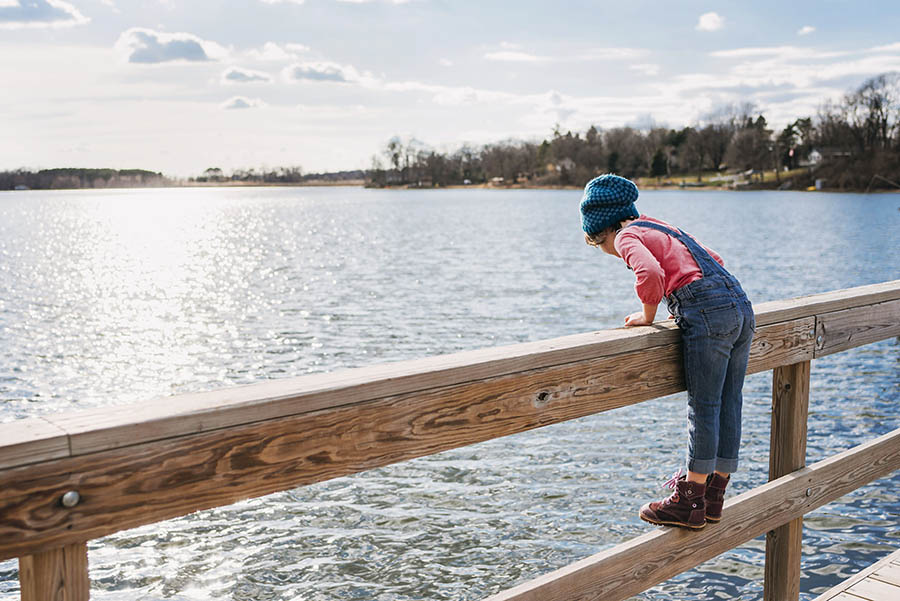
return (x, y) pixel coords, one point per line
(69, 478)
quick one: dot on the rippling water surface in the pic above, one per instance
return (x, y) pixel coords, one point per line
(114, 297)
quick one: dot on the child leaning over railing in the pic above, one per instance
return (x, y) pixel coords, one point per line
(717, 325)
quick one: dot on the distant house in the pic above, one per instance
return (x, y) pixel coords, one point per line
(497, 181)
(817, 155)
(20, 187)
(813, 158)
(565, 164)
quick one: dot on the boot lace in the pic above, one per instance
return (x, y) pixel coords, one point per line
(672, 484)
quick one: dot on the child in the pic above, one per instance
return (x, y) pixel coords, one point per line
(716, 322)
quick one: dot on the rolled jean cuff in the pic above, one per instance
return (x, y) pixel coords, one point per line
(702, 466)
(726, 466)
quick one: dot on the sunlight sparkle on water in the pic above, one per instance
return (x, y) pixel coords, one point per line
(150, 267)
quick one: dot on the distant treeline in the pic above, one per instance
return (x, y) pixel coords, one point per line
(846, 144)
(52, 179)
(279, 175)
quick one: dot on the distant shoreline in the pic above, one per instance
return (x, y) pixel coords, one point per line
(689, 187)
(242, 184)
(405, 188)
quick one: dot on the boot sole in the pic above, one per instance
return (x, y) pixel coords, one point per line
(676, 524)
(713, 520)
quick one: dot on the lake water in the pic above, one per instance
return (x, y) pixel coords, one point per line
(114, 297)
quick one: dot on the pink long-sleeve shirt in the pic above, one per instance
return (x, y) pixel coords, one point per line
(661, 264)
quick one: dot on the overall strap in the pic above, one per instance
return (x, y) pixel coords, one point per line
(704, 260)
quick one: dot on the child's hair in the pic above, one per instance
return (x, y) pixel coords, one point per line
(598, 238)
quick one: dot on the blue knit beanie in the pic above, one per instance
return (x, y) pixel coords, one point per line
(607, 200)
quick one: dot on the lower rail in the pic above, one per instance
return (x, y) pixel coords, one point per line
(631, 567)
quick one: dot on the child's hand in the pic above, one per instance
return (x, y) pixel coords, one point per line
(636, 319)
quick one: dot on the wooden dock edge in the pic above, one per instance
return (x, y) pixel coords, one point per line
(878, 582)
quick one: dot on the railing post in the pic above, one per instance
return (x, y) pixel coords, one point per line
(787, 453)
(56, 575)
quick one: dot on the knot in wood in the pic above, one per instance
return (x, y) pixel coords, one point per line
(542, 399)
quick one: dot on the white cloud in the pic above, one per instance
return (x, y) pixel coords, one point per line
(327, 72)
(446, 62)
(782, 52)
(514, 56)
(514, 53)
(282, 1)
(242, 102)
(806, 30)
(241, 75)
(786, 81)
(457, 96)
(39, 13)
(145, 46)
(648, 69)
(448, 95)
(271, 51)
(370, 1)
(556, 106)
(333, 112)
(895, 47)
(710, 22)
(605, 54)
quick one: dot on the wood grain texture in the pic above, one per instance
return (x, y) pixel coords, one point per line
(57, 575)
(782, 344)
(836, 593)
(627, 569)
(875, 590)
(109, 428)
(30, 440)
(806, 306)
(177, 476)
(106, 428)
(787, 453)
(889, 572)
(842, 330)
(115, 427)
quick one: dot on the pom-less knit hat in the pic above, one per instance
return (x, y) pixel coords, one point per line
(607, 200)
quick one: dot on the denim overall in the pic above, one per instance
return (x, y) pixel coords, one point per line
(717, 325)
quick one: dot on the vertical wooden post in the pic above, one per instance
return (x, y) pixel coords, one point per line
(787, 453)
(57, 575)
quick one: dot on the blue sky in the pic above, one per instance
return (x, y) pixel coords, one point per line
(179, 86)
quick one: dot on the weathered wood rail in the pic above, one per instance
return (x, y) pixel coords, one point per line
(878, 582)
(141, 464)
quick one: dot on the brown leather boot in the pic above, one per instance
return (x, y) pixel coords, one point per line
(715, 496)
(685, 508)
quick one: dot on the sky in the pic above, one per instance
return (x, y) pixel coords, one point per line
(179, 86)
